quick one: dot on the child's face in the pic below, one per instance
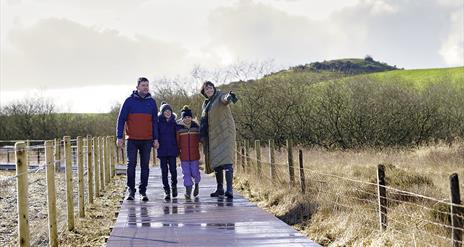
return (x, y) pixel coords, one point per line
(167, 113)
(187, 120)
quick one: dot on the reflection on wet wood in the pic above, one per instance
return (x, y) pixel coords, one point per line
(203, 221)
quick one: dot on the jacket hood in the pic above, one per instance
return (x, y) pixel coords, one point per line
(161, 118)
(194, 123)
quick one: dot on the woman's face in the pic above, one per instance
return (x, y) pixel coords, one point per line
(167, 114)
(209, 91)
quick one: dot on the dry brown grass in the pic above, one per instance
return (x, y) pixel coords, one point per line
(341, 212)
(100, 217)
(89, 231)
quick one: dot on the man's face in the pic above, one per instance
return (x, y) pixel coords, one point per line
(209, 91)
(143, 88)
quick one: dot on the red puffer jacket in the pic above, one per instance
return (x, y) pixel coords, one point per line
(188, 141)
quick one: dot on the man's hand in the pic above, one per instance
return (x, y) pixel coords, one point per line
(156, 144)
(120, 143)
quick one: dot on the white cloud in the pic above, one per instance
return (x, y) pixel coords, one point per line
(255, 31)
(58, 53)
(57, 45)
(409, 34)
(452, 50)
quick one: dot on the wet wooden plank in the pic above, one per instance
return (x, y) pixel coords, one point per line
(203, 221)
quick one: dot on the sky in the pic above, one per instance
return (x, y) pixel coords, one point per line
(86, 55)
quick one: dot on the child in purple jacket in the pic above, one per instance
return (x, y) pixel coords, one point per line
(167, 151)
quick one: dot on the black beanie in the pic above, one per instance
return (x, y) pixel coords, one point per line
(164, 107)
(186, 112)
(207, 83)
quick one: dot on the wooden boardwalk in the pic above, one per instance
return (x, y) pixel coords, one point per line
(203, 221)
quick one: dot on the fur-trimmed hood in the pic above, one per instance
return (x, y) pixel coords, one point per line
(161, 118)
(194, 123)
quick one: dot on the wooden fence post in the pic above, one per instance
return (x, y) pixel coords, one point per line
(123, 153)
(456, 211)
(243, 159)
(90, 168)
(107, 160)
(51, 193)
(271, 159)
(382, 197)
(113, 152)
(80, 174)
(258, 156)
(302, 175)
(57, 154)
(236, 155)
(69, 185)
(96, 170)
(291, 172)
(101, 163)
(247, 155)
(118, 158)
(21, 188)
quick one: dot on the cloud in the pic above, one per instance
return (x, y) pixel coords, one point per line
(255, 31)
(407, 33)
(59, 53)
(411, 34)
(452, 50)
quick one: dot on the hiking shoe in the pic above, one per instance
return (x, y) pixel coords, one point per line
(196, 190)
(217, 193)
(143, 197)
(174, 191)
(167, 194)
(188, 192)
(229, 195)
(131, 196)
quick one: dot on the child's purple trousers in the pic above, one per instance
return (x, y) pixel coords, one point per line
(190, 169)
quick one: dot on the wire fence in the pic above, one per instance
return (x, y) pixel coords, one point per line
(80, 166)
(421, 219)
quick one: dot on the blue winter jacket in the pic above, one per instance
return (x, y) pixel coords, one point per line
(167, 136)
(139, 117)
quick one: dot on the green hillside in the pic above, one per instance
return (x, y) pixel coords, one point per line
(420, 77)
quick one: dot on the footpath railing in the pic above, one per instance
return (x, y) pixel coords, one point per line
(48, 200)
(425, 220)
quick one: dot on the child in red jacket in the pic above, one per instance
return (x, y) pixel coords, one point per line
(188, 141)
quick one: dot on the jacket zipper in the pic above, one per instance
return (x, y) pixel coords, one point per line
(188, 137)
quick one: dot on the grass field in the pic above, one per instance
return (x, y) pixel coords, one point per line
(340, 208)
(420, 77)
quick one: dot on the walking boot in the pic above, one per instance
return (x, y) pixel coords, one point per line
(229, 180)
(167, 194)
(174, 191)
(188, 192)
(196, 190)
(220, 181)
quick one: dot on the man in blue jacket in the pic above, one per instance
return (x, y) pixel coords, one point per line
(139, 118)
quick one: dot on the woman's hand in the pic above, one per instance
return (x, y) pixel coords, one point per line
(231, 97)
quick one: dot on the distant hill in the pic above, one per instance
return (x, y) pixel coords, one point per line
(350, 66)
